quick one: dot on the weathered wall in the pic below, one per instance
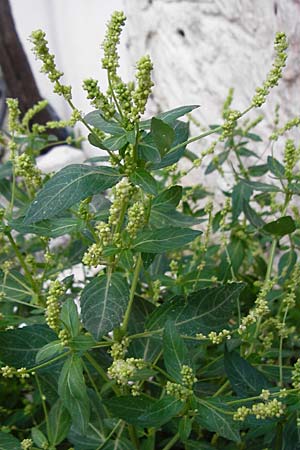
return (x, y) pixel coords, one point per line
(200, 48)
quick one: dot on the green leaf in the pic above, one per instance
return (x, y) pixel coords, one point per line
(9, 442)
(59, 423)
(203, 311)
(160, 412)
(258, 170)
(145, 180)
(103, 304)
(169, 116)
(280, 227)
(50, 228)
(96, 141)
(116, 142)
(39, 438)
(245, 152)
(171, 196)
(82, 343)
(275, 167)
(216, 162)
(148, 151)
(162, 240)
(67, 187)
(181, 135)
(20, 346)
(70, 318)
(163, 135)
(241, 193)
(236, 253)
(167, 215)
(128, 408)
(72, 392)
(6, 169)
(263, 187)
(143, 412)
(15, 286)
(95, 119)
(185, 428)
(286, 264)
(175, 351)
(213, 415)
(252, 216)
(245, 380)
(49, 351)
(254, 137)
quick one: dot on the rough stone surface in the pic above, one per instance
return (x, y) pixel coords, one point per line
(200, 48)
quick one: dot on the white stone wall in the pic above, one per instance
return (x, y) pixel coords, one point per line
(200, 48)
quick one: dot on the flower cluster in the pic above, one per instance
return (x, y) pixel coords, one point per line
(122, 193)
(38, 107)
(56, 290)
(295, 122)
(92, 256)
(144, 87)
(41, 50)
(13, 115)
(275, 73)
(136, 219)
(262, 410)
(10, 372)
(184, 390)
(25, 167)
(26, 444)
(110, 61)
(296, 374)
(230, 123)
(98, 99)
(122, 370)
(291, 157)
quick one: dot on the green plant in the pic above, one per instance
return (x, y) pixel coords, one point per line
(188, 330)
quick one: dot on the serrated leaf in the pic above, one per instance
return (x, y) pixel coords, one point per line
(213, 415)
(72, 392)
(67, 187)
(128, 408)
(59, 423)
(175, 351)
(20, 346)
(163, 135)
(162, 240)
(145, 180)
(245, 152)
(203, 311)
(103, 304)
(167, 215)
(173, 156)
(245, 380)
(280, 227)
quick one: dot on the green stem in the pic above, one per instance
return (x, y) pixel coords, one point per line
(110, 435)
(222, 389)
(48, 363)
(132, 292)
(101, 372)
(43, 405)
(133, 436)
(280, 348)
(22, 262)
(113, 95)
(172, 442)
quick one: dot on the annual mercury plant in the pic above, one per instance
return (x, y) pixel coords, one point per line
(183, 329)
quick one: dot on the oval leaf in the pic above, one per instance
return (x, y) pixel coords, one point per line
(161, 240)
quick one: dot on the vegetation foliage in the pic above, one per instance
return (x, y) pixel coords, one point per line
(137, 311)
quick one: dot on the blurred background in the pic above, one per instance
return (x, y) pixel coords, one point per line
(200, 48)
